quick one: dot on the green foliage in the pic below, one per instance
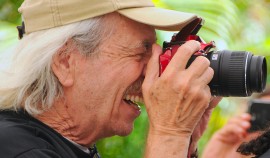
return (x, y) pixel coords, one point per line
(8, 35)
(9, 19)
(131, 146)
(9, 11)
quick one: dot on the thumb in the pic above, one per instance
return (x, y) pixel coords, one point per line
(152, 69)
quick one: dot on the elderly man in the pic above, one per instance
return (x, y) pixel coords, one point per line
(79, 70)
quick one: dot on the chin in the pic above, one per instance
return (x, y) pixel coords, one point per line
(123, 130)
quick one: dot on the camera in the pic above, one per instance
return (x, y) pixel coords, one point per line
(236, 73)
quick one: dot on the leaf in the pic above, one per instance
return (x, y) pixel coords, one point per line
(8, 35)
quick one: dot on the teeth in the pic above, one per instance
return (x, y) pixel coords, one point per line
(134, 99)
(137, 99)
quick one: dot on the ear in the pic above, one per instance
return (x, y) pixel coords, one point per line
(63, 64)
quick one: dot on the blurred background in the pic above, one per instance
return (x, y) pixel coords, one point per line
(232, 24)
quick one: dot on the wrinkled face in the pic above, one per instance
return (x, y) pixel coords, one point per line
(107, 80)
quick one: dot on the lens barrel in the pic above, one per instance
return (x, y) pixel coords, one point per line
(237, 73)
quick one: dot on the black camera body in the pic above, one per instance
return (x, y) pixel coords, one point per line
(259, 110)
(236, 73)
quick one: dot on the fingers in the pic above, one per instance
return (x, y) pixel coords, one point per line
(183, 54)
(206, 75)
(238, 126)
(246, 116)
(241, 120)
(152, 69)
(233, 131)
(199, 68)
(176, 100)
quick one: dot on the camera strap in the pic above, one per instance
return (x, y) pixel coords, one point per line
(190, 29)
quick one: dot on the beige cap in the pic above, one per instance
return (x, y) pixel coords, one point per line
(44, 14)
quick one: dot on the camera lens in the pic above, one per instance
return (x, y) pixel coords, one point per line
(237, 73)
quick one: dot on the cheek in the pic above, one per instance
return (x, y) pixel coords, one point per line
(123, 69)
(102, 79)
(133, 68)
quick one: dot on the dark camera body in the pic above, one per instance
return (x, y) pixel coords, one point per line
(260, 112)
(236, 73)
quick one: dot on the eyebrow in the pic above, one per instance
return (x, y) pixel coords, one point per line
(139, 44)
(145, 42)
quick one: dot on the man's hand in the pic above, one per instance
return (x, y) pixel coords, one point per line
(202, 125)
(176, 101)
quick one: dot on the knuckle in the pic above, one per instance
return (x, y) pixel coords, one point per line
(184, 85)
(205, 95)
(211, 71)
(186, 50)
(165, 79)
(208, 95)
(190, 47)
(193, 43)
(195, 92)
(209, 74)
(203, 60)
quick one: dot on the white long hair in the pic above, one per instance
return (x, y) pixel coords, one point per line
(30, 83)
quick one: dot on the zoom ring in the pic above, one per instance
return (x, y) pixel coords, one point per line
(237, 74)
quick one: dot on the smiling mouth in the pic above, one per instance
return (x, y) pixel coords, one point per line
(134, 100)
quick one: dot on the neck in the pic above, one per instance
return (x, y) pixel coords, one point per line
(61, 119)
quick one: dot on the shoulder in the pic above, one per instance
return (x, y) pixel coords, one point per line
(24, 136)
(14, 128)
(17, 136)
(39, 153)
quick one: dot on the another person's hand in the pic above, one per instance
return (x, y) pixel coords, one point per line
(225, 142)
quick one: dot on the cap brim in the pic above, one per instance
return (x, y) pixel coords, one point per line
(161, 19)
